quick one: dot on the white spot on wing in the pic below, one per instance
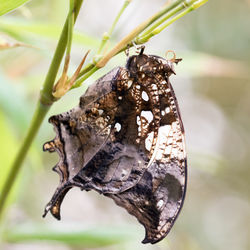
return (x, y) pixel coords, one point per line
(167, 110)
(174, 153)
(154, 87)
(138, 120)
(148, 115)
(118, 127)
(148, 141)
(160, 204)
(124, 172)
(144, 96)
(130, 83)
(163, 141)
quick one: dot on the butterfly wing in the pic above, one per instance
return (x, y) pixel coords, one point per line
(96, 141)
(126, 141)
(157, 198)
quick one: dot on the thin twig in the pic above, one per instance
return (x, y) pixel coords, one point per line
(187, 5)
(107, 35)
(166, 16)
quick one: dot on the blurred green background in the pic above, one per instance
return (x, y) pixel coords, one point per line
(213, 88)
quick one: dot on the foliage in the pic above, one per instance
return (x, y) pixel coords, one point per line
(9, 5)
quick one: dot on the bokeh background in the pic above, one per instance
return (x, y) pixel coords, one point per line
(213, 88)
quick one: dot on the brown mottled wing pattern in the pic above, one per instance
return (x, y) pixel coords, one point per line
(126, 141)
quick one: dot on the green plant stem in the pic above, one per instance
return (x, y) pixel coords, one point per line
(46, 92)
(106, 36)
(79, 82)
(189, 5)
(85, 70)
(60, 88)
(171, 12)
(125, 5)
(43, 106)
(39, 115)
(165, 9)
(71, 19)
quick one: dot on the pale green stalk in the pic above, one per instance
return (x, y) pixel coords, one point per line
(169, 14)
(60, 87)
(165, 9)
(107, 35)
(79, 82)
(190, 5)
(70, 26)
(85, 70)
(44, 103)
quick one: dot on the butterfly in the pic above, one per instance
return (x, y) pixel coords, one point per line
(126, 141)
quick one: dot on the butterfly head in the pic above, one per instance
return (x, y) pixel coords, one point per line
(150, 64)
